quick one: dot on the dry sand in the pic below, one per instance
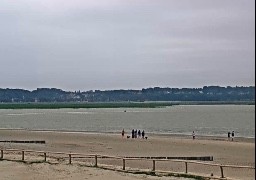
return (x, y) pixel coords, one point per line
(239, 152)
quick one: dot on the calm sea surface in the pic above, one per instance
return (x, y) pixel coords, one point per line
(203, 119)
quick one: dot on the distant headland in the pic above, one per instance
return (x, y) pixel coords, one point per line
(240, 95)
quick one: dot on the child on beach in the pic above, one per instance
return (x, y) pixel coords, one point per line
(123, 133)
(193, 135)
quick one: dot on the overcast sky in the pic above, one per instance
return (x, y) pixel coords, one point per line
(126, 44)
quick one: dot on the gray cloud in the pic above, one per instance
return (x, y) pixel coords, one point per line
(126, 44)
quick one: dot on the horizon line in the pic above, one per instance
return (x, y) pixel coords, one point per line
(124, 88)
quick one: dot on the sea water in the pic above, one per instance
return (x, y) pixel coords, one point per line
(209, 120)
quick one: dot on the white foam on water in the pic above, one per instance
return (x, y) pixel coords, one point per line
(23, 114)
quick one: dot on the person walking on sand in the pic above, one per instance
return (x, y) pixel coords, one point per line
(139, 134)
(143, 134)
(123, 133)
(193, 135)
(233, 135)
(229, 135)
(132, 133)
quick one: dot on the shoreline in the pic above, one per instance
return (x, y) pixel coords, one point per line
(151, 135)
(210, 122)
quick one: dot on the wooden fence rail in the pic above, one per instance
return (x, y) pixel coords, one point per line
(124, 159)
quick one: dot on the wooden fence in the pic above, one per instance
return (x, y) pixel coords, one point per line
(69, 156)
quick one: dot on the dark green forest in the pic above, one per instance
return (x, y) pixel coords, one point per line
(207, 93)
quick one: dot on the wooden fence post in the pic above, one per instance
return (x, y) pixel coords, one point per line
(186, 165)
(44, 157)
(69, 158)
(2, 154)
(96, 161)
(22, 158)
(123, 164)
(222, 173)
(154, 165)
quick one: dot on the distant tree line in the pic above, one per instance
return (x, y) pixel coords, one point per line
(207, 93)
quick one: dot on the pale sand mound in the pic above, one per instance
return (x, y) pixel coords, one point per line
(15, 170)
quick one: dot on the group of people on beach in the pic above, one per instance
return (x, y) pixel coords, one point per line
(232, 135)
(141, 134)
(136, 134)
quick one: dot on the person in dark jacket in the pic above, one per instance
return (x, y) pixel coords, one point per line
(143, 134)
(233, 135)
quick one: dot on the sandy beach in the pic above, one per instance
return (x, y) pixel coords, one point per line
(240, 152)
